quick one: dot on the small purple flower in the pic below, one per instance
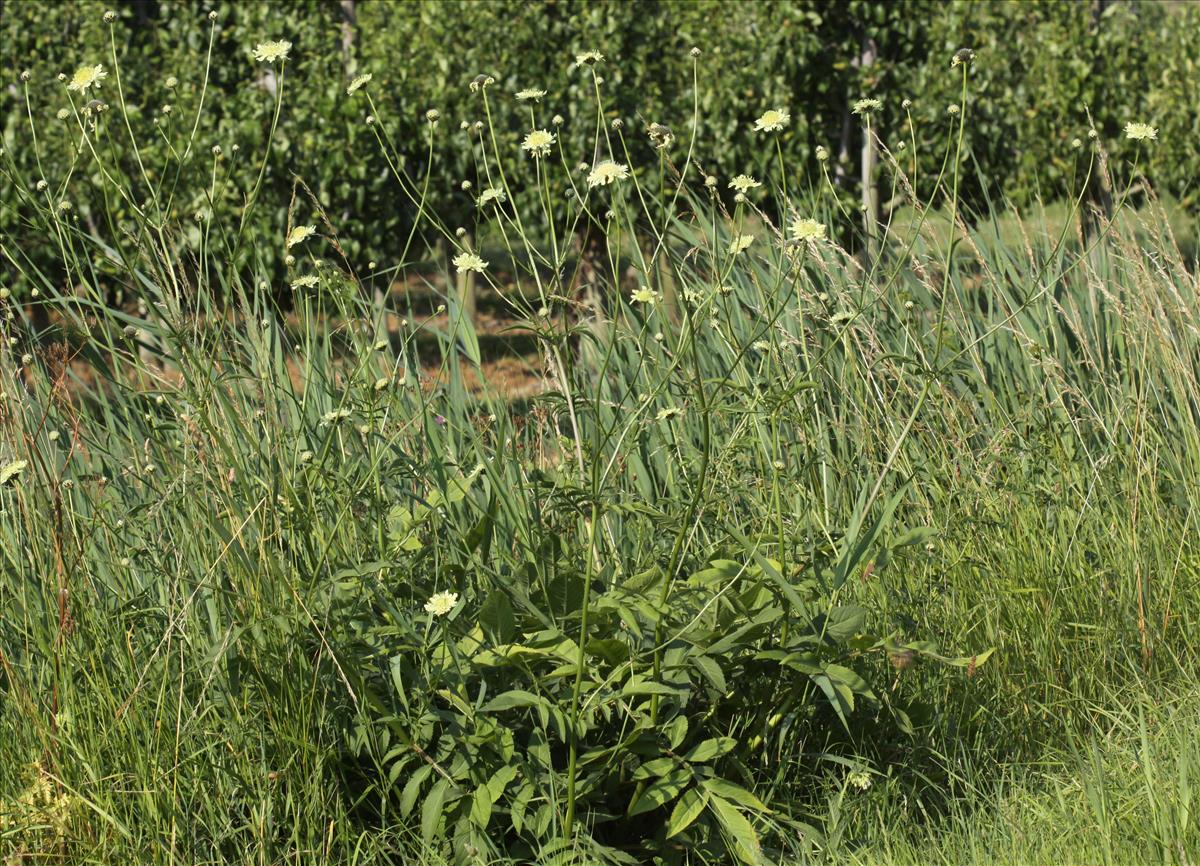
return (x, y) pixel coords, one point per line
(440, 420)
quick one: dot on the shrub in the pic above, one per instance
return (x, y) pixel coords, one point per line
(634, 618)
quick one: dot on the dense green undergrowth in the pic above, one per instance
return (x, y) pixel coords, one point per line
(802, 554)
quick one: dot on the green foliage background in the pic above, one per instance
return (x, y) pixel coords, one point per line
(1041, 67)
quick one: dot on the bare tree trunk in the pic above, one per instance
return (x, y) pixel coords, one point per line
(349, 24)
(592, 279)
(870, 158)
(1099, 191)
(839, 170)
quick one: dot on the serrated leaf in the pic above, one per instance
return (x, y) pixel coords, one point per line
(850, 679)
(718, 571)
(689, 807)
(841, 698)
(736, 793)
(431, 810)
(519, 804)
(500, 780)
(710, 749)
(480, 536)
(712, 672)
(662, 791)
(676, 730)
(481, 806)
(638, 686)
(643, 581)
(845, 621)
(652, 769)
(740, 831)
(408, 797)
(610, 650)
(511, 700)
(497, 618)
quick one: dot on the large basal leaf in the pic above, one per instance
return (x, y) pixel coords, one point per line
(431, 810)
(687, 809)
(739, 830)
(662, 791)
(496, 617)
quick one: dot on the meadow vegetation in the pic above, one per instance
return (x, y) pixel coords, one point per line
(821, 539)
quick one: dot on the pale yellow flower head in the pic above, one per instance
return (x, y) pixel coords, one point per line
(491, 194)
(87, 76)
(538, 142)
(805, 229)
(864, 107)
(772, 120)
(962, 56)
(607, 171)
(530, 94)
(441, 603)
(11, 471)
(1141, 132)
(334, 416)
(464, 262)
(358, 84)
(300, 234)
(269, 52)
(587, 58)
(308, 281)
(740, 243)
(643, 295)
(860, 780)
(743, 183)
(660, 135)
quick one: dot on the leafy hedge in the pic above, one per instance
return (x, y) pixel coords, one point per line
(1040, 69)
